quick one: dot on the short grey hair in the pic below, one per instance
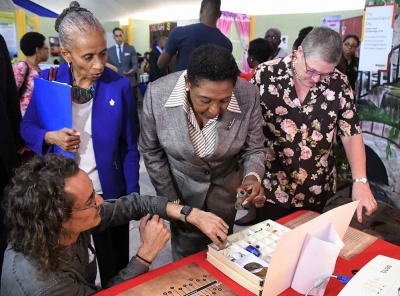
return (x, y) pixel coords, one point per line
(73, 20)
(323, 44)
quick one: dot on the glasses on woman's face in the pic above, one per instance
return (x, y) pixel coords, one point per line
(92, 197)
(315, 73)
(349, 45)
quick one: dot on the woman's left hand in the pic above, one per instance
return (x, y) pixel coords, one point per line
(363, 193)
(256, 191)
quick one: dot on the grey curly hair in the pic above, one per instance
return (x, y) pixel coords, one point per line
(75, 19)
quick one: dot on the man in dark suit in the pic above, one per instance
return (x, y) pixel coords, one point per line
(10, 118)
(156, 72)
(123, 56)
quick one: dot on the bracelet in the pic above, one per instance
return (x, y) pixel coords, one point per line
(141, 258)
(255, 175)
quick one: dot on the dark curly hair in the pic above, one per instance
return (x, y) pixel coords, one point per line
(30, 41)
(260, 49)
(36, 206)
(213, 63)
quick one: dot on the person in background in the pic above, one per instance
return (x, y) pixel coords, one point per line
(156, 72)
(104, 132)
(201, 140)
(52, 210)
(305, 102)
(349, 62)
(273, 36)
(10, 119)
(33, 45)
(259, 52)
(302, 34)
(123, 56)
(184, 40)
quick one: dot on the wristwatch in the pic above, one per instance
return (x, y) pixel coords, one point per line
(360, 180)
(185, 212)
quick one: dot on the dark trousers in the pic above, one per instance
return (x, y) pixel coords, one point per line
(3, 182)
(112, 251)
(275, 212)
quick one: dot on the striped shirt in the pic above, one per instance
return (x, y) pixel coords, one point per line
(203, 140)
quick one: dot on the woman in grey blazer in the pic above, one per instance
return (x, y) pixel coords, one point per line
(202, 141)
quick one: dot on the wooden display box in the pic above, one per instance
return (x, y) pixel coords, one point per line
(262, 236)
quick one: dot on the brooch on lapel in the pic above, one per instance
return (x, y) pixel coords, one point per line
(112, 102)
(230, 124)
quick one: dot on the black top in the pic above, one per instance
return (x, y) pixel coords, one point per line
(351, 70)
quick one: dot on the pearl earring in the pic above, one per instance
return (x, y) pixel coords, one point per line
(187, 89)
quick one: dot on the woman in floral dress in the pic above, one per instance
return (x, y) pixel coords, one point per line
(34, 47)
(305, 102)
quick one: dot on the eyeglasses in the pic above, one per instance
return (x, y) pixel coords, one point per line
(93, 197)
(314, 73)
(350, 45)
(269, 37)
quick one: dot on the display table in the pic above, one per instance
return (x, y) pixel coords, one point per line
(344, 267)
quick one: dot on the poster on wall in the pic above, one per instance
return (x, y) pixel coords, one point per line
(331, 21)
(161, 29)
(377, 37)
(54, 46)
(284, 41)
(30, 24)
(381, 2)
(9, 32)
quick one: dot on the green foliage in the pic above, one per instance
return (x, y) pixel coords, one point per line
(341, 162)
(387, 116)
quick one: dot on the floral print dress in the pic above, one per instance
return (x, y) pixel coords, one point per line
(300, 168)
(20, 69)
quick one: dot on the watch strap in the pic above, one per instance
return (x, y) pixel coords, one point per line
(360, 180)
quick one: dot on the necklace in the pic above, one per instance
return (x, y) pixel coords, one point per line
(82, 95)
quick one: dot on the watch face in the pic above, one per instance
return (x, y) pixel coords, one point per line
(363, 180)
(186, 210)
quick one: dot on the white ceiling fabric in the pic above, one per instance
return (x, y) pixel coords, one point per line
(122, 10)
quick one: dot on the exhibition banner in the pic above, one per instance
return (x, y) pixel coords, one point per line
(377, 37)
(30, 23)
(331, 21)
(8, 31)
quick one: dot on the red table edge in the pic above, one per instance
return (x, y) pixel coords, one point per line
(129, 284)
(385, 248)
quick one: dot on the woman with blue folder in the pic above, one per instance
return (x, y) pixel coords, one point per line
(103, 137)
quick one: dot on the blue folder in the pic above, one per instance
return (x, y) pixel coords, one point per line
(54, 107)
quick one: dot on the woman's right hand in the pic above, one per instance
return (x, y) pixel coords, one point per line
(67, 139)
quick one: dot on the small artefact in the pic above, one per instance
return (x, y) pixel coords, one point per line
(240, 198)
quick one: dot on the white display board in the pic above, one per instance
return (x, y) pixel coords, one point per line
(377, 37)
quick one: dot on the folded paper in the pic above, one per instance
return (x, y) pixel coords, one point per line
(287, 252)
(317, 259)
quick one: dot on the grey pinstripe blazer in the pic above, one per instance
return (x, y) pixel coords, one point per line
(174, 168)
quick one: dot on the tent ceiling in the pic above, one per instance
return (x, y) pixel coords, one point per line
(121, 10)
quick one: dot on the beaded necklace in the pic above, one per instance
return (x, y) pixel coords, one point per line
(82, 95)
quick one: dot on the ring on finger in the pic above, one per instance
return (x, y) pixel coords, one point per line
(76, 147)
